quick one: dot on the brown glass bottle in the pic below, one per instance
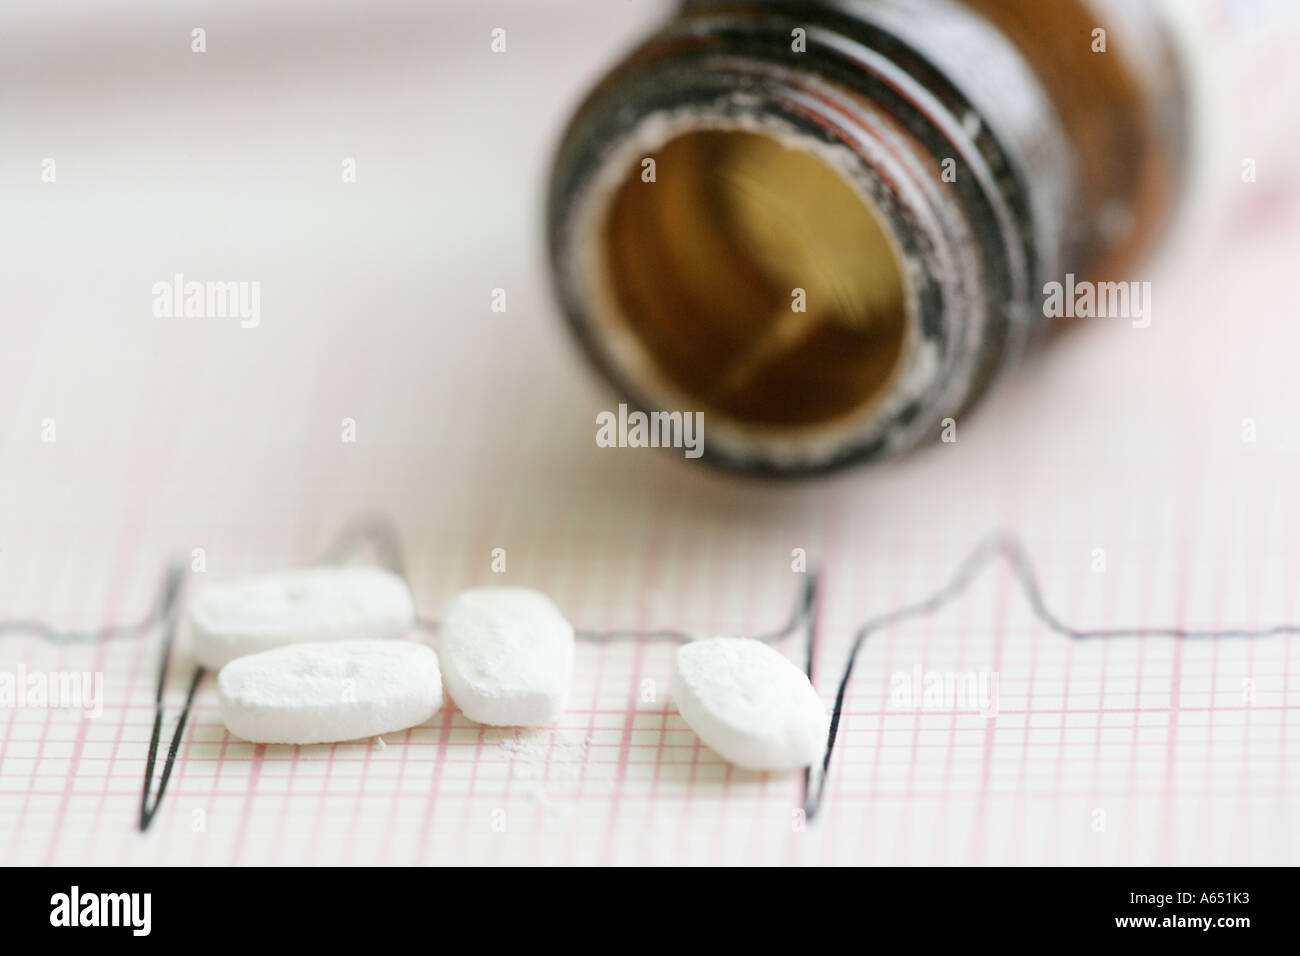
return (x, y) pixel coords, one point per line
(827, 225)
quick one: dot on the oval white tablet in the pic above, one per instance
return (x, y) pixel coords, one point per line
(507, 656)
(322, 693)
(347, 603)
(751, 705)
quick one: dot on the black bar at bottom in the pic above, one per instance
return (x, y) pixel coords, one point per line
(333, 906)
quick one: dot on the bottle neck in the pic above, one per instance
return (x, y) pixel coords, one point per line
(823, 224)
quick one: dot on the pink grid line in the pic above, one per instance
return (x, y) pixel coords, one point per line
(132, 723)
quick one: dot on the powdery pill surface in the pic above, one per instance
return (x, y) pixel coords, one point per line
(322, 693)
(507, 656)
(750, 704)
(236, 618)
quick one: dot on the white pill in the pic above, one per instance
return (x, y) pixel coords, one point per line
(321, 693)
(507, 656)
(349, 603)
(750, 704)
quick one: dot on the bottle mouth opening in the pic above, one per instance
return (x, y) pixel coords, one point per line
(756, 279)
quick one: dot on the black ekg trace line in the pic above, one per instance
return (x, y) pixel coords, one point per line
(381, 536)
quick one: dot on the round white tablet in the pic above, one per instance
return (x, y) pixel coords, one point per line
(322, 693)
(347, 603)
(507, 656)
(751, 705)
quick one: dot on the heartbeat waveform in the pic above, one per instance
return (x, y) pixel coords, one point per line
(379, 534)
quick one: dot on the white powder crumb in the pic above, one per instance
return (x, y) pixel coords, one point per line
(547, 757)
